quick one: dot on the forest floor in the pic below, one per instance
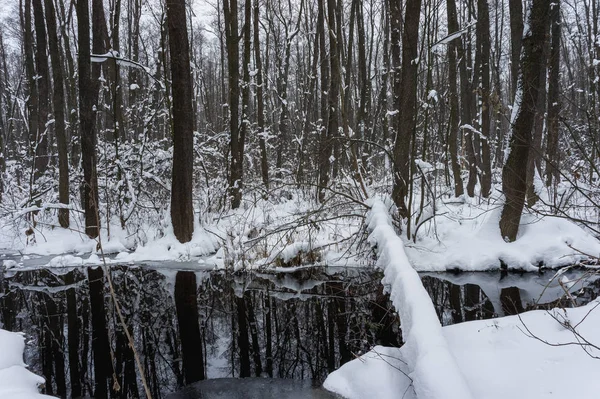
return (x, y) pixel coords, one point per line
(458, 234)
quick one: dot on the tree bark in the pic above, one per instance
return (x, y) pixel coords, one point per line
(230, 10)
(260, 105)
(483, 47)
(59, 113)
(516, 35)
(552, 153)
(182, 212)
(405, 93)
(43, 84)
(514, 177)
(88, 94)
(324, 139)
(453, 95)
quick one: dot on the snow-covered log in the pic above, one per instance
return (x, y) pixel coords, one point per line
(433, 369)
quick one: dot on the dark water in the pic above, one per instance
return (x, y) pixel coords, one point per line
(190, 326)
(460, 297)
(195, 331)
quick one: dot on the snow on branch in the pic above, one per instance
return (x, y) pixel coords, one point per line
(111, 55)
(453, 36)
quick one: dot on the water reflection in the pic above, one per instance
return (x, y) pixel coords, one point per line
(460, 297)
(189, 326)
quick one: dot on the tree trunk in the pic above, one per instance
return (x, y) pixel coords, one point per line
(405, 92)
(333, 94)
(43, 83)
(260, 107)
(245, 127)
(324, 139)
(232, 39)
(552, 154)
(453, 95)
(88, 94)
(483, 47)
(182, 211)
(467, 104)
(514, 174)
(59, 113)
(32, 103)
(516, 36)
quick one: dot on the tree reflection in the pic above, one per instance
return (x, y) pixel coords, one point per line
(187, 328)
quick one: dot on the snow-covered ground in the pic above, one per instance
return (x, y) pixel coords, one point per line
(539, 354)
(263, 233)
(16, 382)
(465, 235)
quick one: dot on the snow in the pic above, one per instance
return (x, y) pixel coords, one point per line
(379, 374)
(465, 235)
(500, 358)
(16, 382)
(432, 367)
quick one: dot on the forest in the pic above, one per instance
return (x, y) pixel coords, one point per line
(123, 112)
(214, 189)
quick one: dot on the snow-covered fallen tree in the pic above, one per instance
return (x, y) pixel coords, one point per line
(431, 366)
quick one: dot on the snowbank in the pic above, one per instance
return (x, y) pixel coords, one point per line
(16, 382)
(432, 367)
(466, 236)
(381, 373)
(499, 359)
(262, 233)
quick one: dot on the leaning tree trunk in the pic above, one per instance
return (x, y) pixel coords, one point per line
(514, 174)
(182, 211)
